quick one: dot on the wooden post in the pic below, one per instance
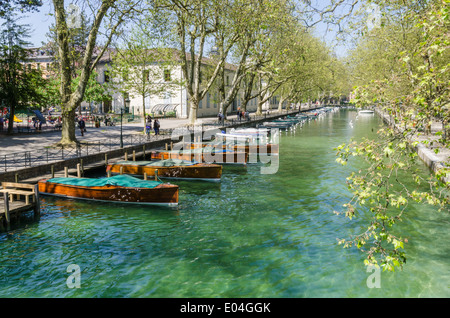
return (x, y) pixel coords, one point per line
(134, 155)
(106, 159)
(16, 177)
(108, 173)
(78, 171)
(7, 216)
(37, 203)
(156, 174)
(121, 169)
(52, 168)
(171, 145)
(145, 175)
(166, 147)
(143, 150)
(66, 172)
(82, 167)
(126, 155)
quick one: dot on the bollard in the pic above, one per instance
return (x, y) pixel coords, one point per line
(66, 172)
(106, 159)
(126, 155)
(156, 174)
(78, 171)
(134, 155)
(145, 175)
(52, 169)
(121, 169)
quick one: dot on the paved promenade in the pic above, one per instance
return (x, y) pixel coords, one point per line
(20, 142)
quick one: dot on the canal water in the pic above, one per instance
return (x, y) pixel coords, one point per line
(251, 235)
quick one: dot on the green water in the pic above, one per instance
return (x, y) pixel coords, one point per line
(252, 235)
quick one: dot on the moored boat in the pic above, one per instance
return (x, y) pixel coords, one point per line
(169, 168)
(118, 189)
(206, 154)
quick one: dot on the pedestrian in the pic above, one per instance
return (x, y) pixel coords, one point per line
(219, 117)
(156, 126)
(148, 127)
(247, 115)
(239, 114)
(82, 126)
(1, 123)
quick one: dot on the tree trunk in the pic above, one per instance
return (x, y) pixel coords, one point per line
(193, 111)
(68, 127)
(280, 104)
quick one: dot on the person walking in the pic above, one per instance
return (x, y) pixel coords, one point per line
(148, 127)
(156, 126)
(82, 126)
(1, 123)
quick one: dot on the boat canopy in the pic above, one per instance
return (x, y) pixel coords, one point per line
(119, 180)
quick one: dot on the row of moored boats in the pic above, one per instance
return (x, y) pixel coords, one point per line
(140, 182)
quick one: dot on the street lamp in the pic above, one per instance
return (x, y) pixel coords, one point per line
(127, 104)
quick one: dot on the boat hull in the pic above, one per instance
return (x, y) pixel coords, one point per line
(219, 158)
(163, 194)
(201, 171)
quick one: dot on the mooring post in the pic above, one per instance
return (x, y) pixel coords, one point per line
(143, 150)
(78, 171)
(166, 147)
(66, 172)
(7, 216)
(106, 159)
(108, 173)
(52, 169)
(145, 175)
(134, 155)
(156, 174)
(37, 203)
(126, 155)
(82, 167)
(16, 177)
(121, 169)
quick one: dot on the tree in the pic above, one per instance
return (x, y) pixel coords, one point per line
(140, 68)
(410, 83)
(18, 85)
(71, 98)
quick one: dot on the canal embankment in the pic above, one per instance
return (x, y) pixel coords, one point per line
(433, 154)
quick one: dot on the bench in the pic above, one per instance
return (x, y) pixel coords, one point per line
(18, 189)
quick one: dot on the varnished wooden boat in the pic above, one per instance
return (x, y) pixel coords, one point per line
(207, 155)
(169, 168)
(119, 189)
(257, 148)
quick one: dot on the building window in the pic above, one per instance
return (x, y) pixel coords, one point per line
(200, 104)
(207, 100)
(167, 75)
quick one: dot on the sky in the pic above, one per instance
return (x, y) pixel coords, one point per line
(41, 21)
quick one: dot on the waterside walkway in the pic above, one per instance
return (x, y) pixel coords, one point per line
(434, 155)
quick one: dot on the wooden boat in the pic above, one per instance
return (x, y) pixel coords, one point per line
(366, 111)
(259, 148)
(120, 189)
(207, 154)
(169, 168)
